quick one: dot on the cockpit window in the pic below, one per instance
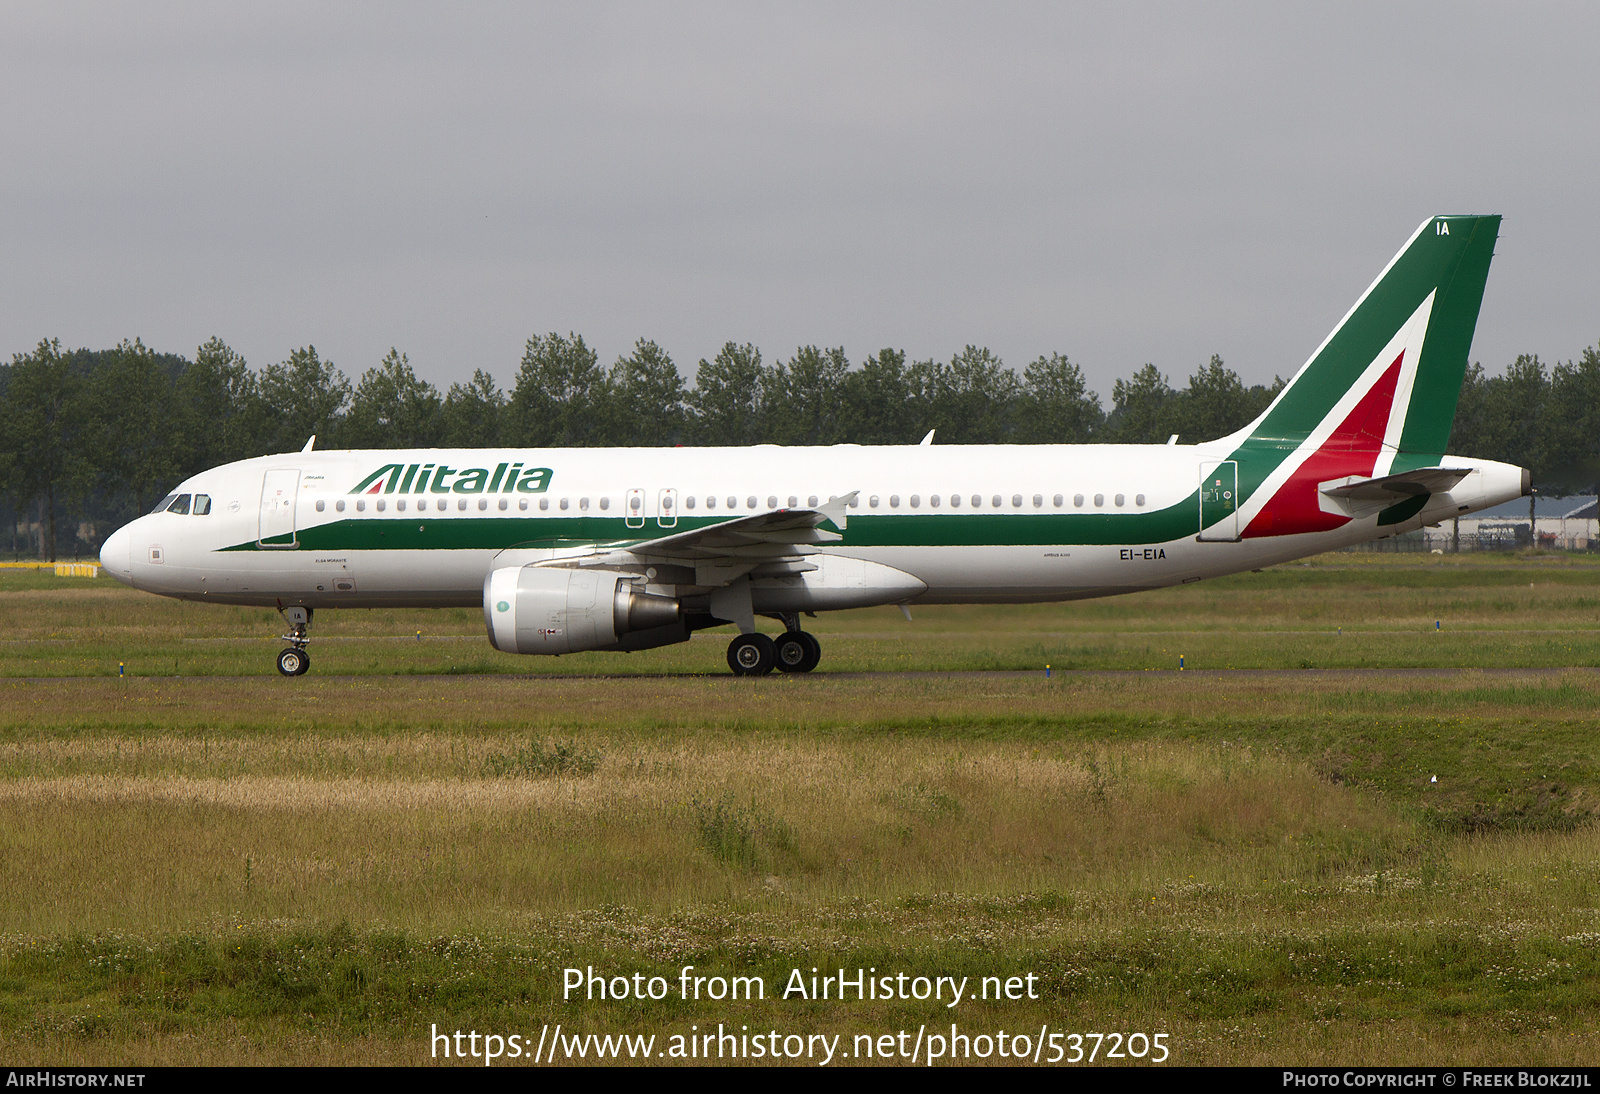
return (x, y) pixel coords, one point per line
(161, 506)
(202, 504)
(180, 504)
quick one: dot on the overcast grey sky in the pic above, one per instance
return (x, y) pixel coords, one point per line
(1120, 183)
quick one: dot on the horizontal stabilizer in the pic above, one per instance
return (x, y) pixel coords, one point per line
(1391, 488)
(1357, 498)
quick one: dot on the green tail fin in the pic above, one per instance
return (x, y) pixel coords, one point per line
(1446, 262)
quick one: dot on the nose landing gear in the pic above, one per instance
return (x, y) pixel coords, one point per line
(294, 661)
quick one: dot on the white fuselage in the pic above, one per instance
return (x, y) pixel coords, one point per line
(930, 524)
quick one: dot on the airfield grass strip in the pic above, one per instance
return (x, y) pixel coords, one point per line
(86, 997)
(1305, 866)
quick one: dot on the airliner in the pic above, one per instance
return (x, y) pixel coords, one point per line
(631, 548)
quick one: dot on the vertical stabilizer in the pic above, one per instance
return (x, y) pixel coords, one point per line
(1379, 395)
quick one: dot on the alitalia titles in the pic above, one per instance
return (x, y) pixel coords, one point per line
(431, 478)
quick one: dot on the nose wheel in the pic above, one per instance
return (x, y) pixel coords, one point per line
(295, 660)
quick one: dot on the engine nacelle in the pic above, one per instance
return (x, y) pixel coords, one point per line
(533, 609)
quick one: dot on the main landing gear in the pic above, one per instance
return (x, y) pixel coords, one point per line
(294, 661)
(755, 654)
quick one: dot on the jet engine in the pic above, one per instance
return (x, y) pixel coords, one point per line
(532, 609)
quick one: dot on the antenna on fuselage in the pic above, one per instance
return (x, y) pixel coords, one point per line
(310, 443)
(927, 442)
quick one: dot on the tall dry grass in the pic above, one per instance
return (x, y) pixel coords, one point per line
(417, 836)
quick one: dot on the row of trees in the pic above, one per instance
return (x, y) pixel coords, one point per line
(1542, 418)
(99, 435)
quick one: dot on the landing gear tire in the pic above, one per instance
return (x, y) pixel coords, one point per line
(798, 652)
(752, 655)
(293, 661)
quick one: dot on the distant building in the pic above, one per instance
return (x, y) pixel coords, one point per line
(1569, 524)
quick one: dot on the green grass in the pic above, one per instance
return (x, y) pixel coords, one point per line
(1336, 611)
(1327, 866)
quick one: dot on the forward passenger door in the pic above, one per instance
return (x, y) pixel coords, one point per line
(279, 490)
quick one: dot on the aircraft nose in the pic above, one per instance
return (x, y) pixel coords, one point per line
(116, 555)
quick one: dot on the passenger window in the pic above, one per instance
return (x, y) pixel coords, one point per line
(202, 505)
(401, 504)
(1016, 501)
(689, 501)
(382, 505)
(1038, 501)
(1138, 499)
(812, 501)
(772, 501)
(750, 502)
(894, 501)
(793, 501)
(563, 503)
(1119, 499)
(361, 505)
(1057, 501)
(934, 501)
(605, 503)
(483, 503)
(995, 501)
(916, 501)
(1077, 501)
(733, 503)
(583, 503)
(321, 505)
(872, 502)
(1099, 500)
(504, 505)
(955, 501)
(977, 502)
(180, 504)
(339, 505)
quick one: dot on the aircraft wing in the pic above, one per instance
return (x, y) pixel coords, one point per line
(760, 532)
(722, 552)
(1398, 487)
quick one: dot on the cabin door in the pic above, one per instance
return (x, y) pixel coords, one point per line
(278, 497)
